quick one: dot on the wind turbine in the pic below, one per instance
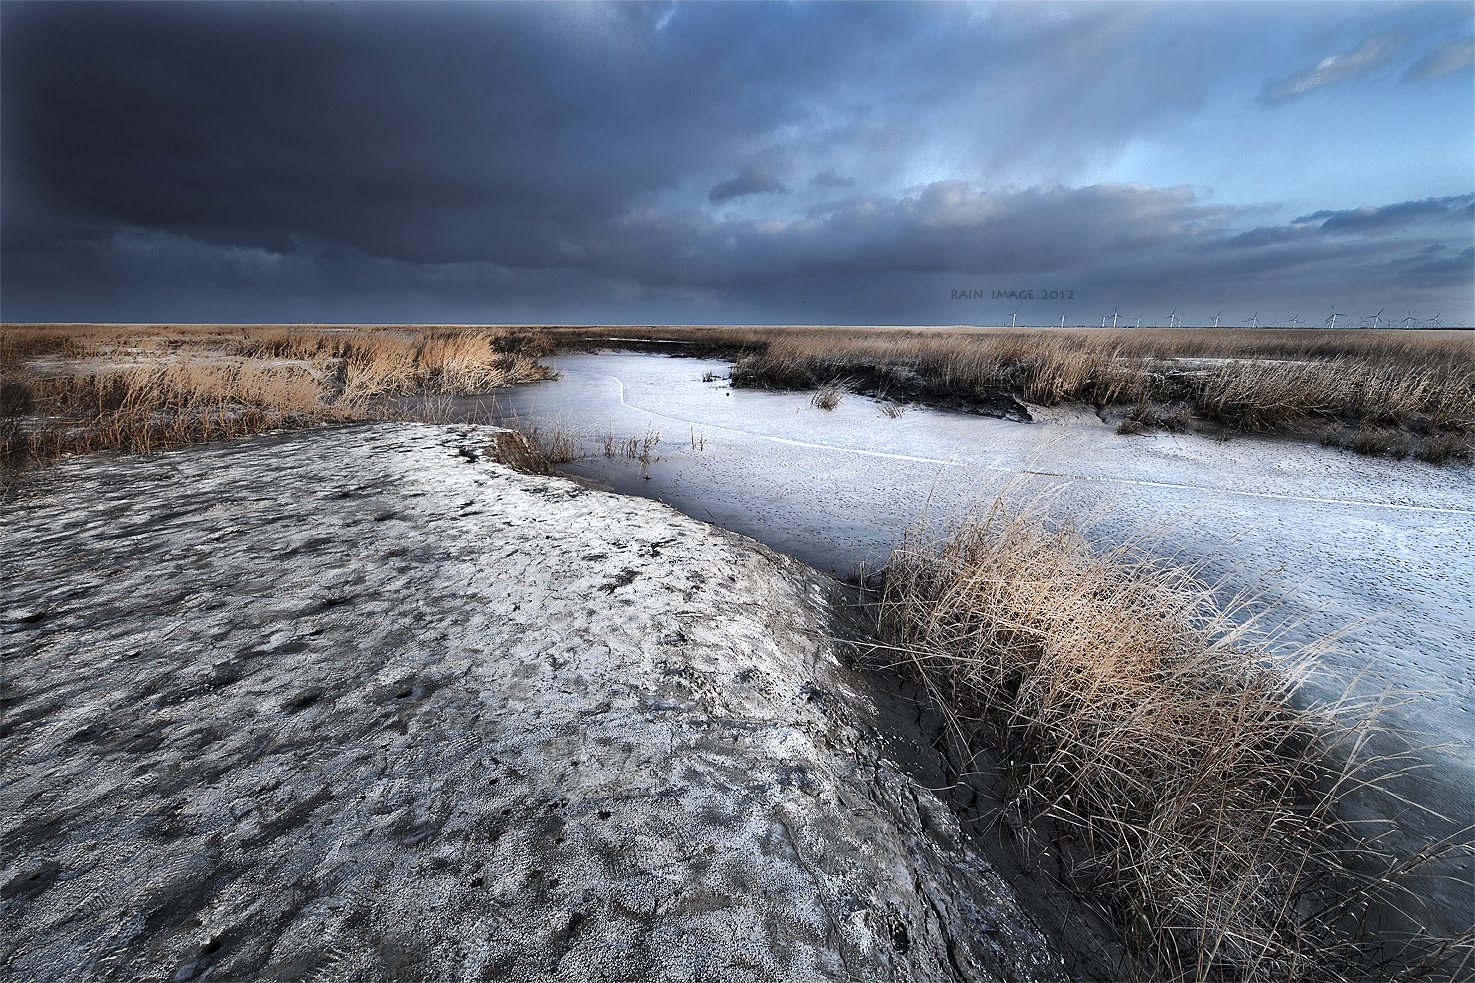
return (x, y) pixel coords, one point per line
(1114, 316)
(1216, 319)
(1139, 320)
(1332, 319)
(1062, 319)
(1296, 321)
(1435, 320)
(1375, 318)
(1253, 320)
(1409, 319)
(1172, 317)
(1103, 320)
(1013, 318)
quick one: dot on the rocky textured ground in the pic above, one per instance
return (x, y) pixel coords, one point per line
(359, 704)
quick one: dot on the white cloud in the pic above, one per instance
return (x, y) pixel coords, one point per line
(1367, 57)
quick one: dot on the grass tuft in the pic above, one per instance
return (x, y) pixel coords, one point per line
(828, 396)
(1158, 748)
(1443, 448)
(1437, 447)
(534, 448)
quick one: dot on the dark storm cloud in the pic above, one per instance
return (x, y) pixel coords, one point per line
(475, 161)
(420, 132)
(511, 133)
(1270, 235)
(1366, 58)
(944, 227)
(1101, 241)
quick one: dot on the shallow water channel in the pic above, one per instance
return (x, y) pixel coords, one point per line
(1381, 549)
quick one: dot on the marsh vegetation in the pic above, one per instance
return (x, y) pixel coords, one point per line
(1155, 754)
(139, 388)
(70, 388)
(1353, 386)
(535, 448)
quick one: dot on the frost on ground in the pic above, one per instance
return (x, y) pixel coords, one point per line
(360, 704)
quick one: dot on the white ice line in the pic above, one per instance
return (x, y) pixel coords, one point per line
(1007, 470)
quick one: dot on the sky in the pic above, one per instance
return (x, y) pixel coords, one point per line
(763, 163)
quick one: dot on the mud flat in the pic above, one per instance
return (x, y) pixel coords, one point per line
(361, 704)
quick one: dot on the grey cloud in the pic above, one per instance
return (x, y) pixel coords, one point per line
(829, 179)
(142, 275)
(754, 181)
(1274, 234)
(1433, 267)
(867, 258)
(1446, 59)
(946, 226)
(1367, 220)
(877, 260)
(1370, 219)
(1366, 58)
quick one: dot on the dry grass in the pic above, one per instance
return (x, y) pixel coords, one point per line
(396, 364)
(1143, 416)
(1371, 441)
(828, 396)
(1156, 746)
(639, 448)
(138, 388)
(1260, 380)
(1441, 448)
(144, 409)
(534, 447)
(1178, 420)
(1437, 447)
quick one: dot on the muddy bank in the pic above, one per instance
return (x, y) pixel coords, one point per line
(360, 704)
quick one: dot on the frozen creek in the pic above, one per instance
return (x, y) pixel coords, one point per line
(1385, 547)
(359, 704)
